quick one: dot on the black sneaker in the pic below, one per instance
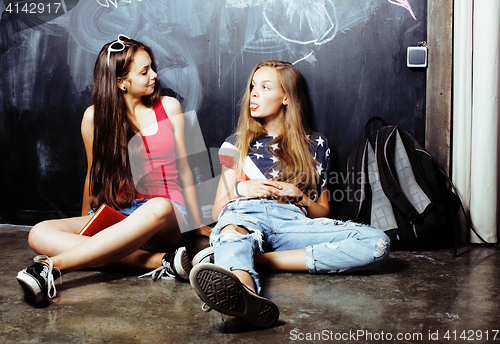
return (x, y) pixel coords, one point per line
(221, 290)
(38, 281)
(173, 265)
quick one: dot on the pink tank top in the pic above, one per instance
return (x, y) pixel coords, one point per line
(160, 155)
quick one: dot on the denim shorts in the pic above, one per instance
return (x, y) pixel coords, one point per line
(139, 202)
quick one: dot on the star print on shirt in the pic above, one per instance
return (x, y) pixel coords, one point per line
(257, 144)
(274, 173)
(319, 168)
(262, 160)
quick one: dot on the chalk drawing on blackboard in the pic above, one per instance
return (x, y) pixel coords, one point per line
(264, 40)
(105, 3)
(312, 23)
(405, 4)
(307, 57)
(302, 22)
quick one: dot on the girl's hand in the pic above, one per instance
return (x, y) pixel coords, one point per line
(290, 192)
(258, 188)
(204, 230)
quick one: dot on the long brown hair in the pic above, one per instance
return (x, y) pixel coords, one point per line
(111, 179)
(295, 161)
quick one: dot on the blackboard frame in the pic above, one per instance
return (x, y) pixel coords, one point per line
(439, 81)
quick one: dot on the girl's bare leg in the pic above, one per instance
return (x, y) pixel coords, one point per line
(56, 236)
(153, 224)
(283, 261)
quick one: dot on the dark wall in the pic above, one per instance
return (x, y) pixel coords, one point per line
(352, 54)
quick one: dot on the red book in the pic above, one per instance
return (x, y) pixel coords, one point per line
(104, 217)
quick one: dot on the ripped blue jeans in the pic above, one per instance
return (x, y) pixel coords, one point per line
(331, 246)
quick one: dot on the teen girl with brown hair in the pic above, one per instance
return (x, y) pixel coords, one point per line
(273, 198)
(125, 106)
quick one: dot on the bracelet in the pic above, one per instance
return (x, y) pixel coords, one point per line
(236, 189)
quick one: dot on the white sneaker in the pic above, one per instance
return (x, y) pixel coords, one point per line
(204, 256)
(173, 265)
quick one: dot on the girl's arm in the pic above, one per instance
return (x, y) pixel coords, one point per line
(226, 189)
(87, 129)
(320, 208)
(176, 116)
(264, 188)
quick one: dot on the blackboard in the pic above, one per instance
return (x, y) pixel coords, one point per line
(351, 53)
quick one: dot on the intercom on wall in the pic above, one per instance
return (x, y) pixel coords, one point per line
(417, 56)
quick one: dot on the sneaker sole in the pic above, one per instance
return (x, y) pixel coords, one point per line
(202, 255)
(221, 290)
(32, 290)
(183, 264)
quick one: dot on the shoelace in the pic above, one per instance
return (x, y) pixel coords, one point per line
(164, 269)
(207, 308)
(51, 288)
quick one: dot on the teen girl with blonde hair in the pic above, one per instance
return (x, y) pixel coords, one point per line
(128, 130)
(272, 197)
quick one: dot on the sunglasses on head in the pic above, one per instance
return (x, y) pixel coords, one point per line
(116, 46)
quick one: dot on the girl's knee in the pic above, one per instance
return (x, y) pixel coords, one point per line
(230, 233)
(38, 235)
(234, 233)
(234, 228)
(160, 209)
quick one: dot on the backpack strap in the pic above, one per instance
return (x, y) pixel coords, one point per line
(382, 212)
(385, 144)
(356, 172)
(368, 131)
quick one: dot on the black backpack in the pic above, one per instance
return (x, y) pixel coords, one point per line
(394, 185)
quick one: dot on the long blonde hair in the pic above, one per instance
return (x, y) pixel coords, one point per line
(295, 161)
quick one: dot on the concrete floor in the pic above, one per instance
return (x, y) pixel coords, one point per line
(426, 297)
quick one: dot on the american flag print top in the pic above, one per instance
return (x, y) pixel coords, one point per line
(260, 162)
